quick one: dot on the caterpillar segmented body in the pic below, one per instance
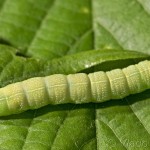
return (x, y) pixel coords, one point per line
(74, 88)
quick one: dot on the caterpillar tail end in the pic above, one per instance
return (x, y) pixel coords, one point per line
(4, 109)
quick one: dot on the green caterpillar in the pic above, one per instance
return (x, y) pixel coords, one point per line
(74, 88)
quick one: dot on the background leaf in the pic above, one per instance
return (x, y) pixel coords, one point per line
(48, 30)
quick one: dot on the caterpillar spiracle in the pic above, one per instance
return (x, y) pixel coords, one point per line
(77, 88)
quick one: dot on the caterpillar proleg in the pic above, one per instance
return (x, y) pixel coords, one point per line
(77, 88)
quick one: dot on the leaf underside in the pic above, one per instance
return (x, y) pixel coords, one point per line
(52, 36)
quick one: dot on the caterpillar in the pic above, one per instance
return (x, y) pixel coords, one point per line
(77, 88)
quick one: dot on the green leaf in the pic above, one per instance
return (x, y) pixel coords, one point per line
(37, 29)
(122, 23)
(1, 3)
(44, 30)
(15, 68)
